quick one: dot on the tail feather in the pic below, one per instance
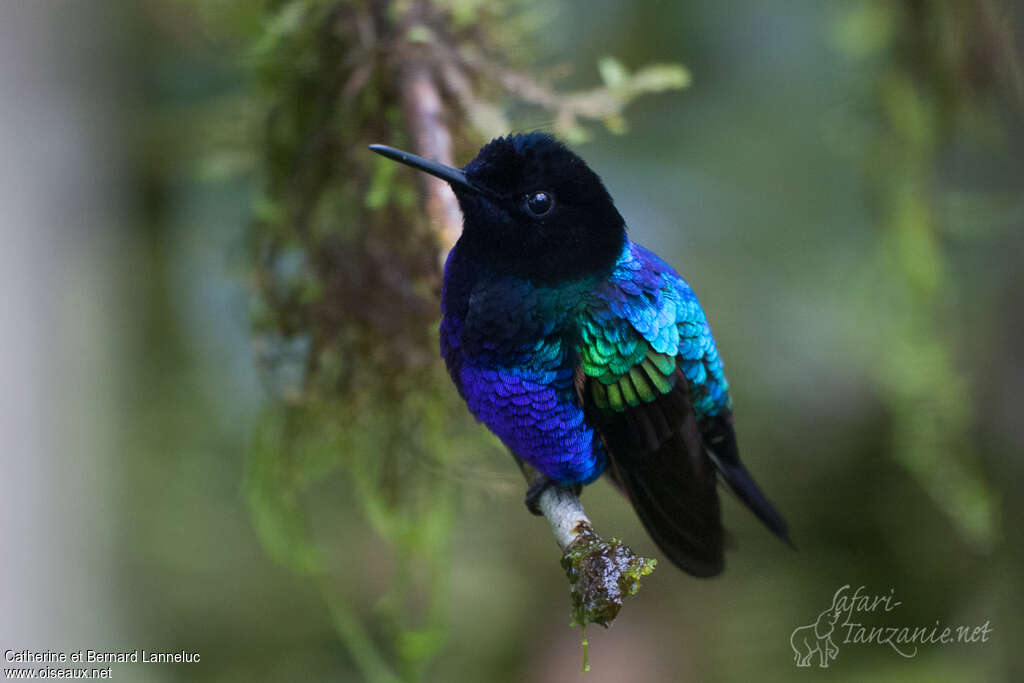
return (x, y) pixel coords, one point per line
(720, 439)
(673, 490)
(668, 465)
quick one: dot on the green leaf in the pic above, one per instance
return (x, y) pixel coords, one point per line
(660, 77)
(612, 71)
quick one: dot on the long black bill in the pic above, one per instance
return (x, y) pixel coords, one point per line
(453, 176)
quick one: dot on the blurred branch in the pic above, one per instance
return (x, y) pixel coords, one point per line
(423, 110)
(605, 103)
(459, 67)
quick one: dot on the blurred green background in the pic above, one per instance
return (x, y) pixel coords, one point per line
(842, 186)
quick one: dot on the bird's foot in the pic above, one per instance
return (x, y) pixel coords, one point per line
(539, 486)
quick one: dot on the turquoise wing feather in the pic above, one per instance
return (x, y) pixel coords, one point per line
(639, 326)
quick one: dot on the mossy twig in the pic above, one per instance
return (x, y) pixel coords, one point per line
(601, 572)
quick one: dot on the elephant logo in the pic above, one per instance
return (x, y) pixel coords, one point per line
(816, 638)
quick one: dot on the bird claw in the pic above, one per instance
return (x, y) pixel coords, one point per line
(539, 486)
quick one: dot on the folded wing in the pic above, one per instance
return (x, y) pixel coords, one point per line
(651, 383)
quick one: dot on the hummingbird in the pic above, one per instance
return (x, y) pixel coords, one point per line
(584, 352)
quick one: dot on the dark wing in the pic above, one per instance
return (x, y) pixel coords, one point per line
(652, 386)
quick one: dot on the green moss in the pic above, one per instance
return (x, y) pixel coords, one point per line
(601, 574)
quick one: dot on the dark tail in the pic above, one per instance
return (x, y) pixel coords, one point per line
(673, 490)
(668, 465)
(720, 440)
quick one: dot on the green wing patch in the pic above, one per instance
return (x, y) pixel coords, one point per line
(643, 382)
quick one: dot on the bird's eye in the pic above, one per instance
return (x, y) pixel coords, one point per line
(540, 203)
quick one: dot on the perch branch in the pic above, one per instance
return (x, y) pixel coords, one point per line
(561, 508)
(601, 572)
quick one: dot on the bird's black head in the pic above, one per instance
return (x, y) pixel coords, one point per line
(532, 208)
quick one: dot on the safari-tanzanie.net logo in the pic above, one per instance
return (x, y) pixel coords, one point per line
(853, 619)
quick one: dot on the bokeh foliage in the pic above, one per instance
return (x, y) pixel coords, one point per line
(931, 69)
(840, 187)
